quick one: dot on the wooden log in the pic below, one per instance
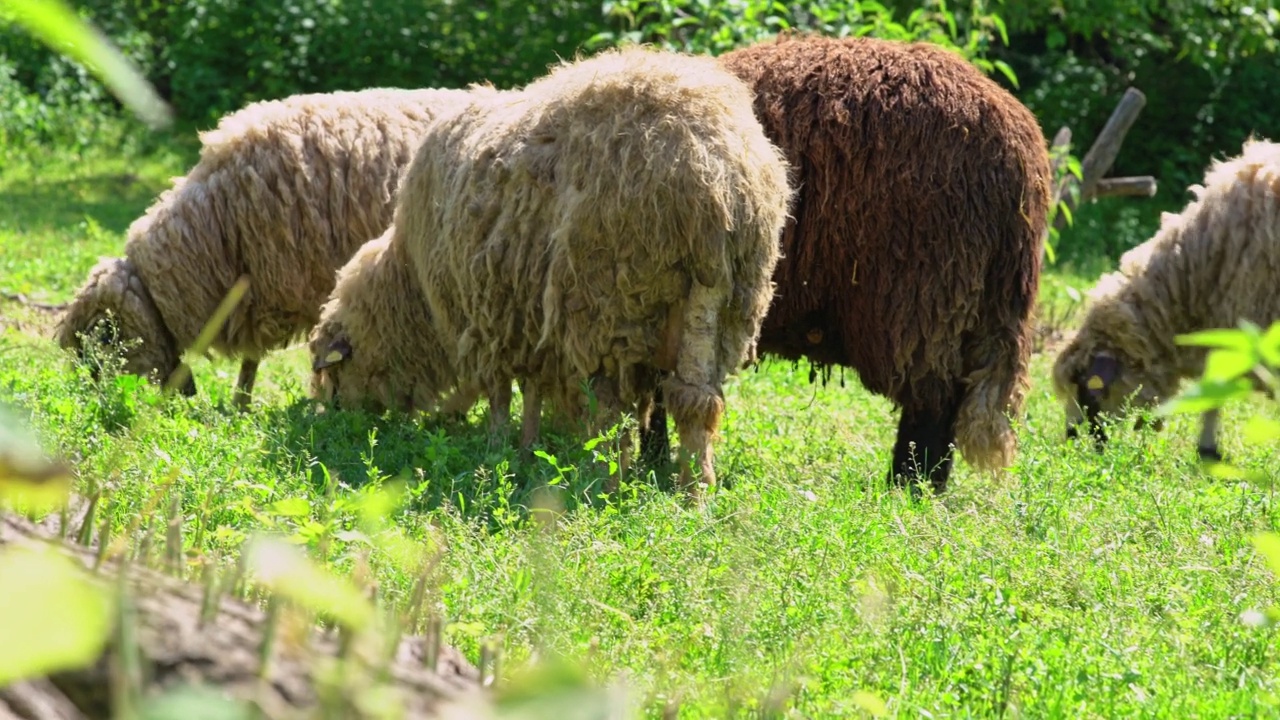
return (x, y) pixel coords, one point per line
(1141, 186)
(1058, 149)
(1100, 157)
(1106, 147)
(176, 647)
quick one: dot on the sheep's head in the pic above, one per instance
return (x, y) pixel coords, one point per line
(1094, 376)
(340, 373)
(114, 315)
(375, 346)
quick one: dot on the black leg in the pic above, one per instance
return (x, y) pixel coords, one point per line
(923, 447)
(1207, 447)
(655, 444)
(244, 383)
(1094, 413)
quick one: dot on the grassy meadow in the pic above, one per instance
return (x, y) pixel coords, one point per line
(1074, 585)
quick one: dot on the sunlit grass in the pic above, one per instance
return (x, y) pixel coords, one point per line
(1076, 584)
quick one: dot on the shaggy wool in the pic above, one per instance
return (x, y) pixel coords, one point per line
(614, 222)
(284, 192)
(1212, 265)
(914, 253)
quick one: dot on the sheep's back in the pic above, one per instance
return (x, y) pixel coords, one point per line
(285, 191)
(923, 196)
(571, 214)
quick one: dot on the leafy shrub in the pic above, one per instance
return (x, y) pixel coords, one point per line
(212, 56)
(718, 26)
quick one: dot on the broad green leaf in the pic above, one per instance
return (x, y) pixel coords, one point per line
(1007, 71)
(405, 553)
(58, 26)
(870, 703)
(377, 507)
(291, 507)
(1226, 471)
(1226, 365)
(52, 616)
(285, 570)
(1066, 212)
(1229, 338)
(1000, 27)
(1268, 545)
(1206, 395)
(1261, 430)
(1269, 346)
(29, 482)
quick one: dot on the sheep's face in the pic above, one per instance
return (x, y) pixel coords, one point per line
(333, 371)
(344, 376)
(113, 323)
(1100, 382)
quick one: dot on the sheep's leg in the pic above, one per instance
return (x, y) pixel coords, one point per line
(531, 414)
(1207, 448)
(244, 383)
(499, 411)
(694, 394)
(655, 445)
(608, 411)
(924, 446)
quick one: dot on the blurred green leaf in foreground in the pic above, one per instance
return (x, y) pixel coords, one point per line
(58, 26)
(51, 618)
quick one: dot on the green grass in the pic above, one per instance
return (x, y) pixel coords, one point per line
(1076, 585)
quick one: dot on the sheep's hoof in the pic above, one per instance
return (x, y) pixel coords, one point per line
(1209, 454)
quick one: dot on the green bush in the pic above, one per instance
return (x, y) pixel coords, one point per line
(208, 57)
(1207, 69)
(718, 26)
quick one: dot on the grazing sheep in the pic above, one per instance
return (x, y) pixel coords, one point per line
(614, 222)
(284, 192)
(1210, 266)
(914, 254)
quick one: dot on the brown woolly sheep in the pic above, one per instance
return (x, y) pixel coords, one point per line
(1210, 266)
(914, 253)
(614, 222)
(284, 192)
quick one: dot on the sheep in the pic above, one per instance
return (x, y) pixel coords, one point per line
(914, 254)
(614, 223)
(1212, 265)
(284, 192)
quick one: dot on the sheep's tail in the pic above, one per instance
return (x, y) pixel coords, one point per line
(693, 393)
(993, 392)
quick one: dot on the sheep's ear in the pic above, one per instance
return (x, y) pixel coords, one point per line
(1103, 370)
(338, 350)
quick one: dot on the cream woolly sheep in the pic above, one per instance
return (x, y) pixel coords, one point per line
(284, 192)
(1210, 266)
(616, 221)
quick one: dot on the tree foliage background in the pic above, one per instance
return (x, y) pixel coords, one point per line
(1208, 67)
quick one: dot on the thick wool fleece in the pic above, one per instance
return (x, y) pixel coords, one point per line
(284, 192)
(914, 252)
(613, 221)
(1210, 266)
